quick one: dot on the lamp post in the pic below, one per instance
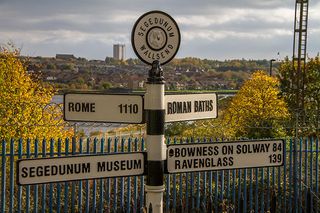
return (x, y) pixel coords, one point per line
(272, 60)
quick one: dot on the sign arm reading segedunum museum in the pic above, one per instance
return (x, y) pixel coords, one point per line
(155, 39)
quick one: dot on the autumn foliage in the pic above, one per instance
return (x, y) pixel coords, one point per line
(25, 109)
(257, 111)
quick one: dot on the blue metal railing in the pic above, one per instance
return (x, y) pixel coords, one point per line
(242, 190)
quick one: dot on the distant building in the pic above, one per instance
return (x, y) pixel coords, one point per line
(119, 51)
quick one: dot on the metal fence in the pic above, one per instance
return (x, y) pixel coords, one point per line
(291, 188)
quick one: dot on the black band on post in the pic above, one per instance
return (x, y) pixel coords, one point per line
(155, 173)
(156, 126)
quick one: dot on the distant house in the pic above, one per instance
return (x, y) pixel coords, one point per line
(65, 56)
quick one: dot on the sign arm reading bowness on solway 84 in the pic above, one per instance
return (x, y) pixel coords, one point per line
(155, 40)
(224, 155)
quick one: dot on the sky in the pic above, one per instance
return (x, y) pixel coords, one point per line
(211, 29)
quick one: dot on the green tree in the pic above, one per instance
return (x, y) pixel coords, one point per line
(307, 117)
(256, 111)
(25, 109)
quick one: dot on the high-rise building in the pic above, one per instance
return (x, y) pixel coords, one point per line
(119, 51)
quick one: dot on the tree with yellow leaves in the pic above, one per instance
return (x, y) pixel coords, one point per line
(25, 110)
(257, 111)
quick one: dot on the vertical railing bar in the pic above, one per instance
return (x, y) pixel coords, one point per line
(36, 192)
(239, 190)
(167, 193)
(280, 194)
(80, 182)
(66, 190)
(245, 190)
(216, 191)
(317, 172)
(19, 202)
(222, 186)
(11, 201)
(187, 188)
(108, 191)
(135, 183)
(306, 184)
(284, 178)
(300, 175)
(268, 189)
(295, 174)
(44, 186)
(3, 177)
(121, 178)
(142, 181)
(262, 191)
(51, 185)
(73, 183)
(290, 175)
(256, 202)
(94, 187)
(87, 199)
(228, 189)
(129, 181)
(174, 189)
(311, 171)
(210, 179)
(233, 188)
(58, 184)
(192, 186)
(28, 153)
(250, 190)
(198, 188)
(101, 198)
(115, 183)
(181, 187)
(197, 204)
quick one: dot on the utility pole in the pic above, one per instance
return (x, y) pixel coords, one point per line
(270, 72)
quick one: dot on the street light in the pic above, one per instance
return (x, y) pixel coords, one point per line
(272, 60)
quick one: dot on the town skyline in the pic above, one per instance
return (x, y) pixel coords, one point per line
(209, 29)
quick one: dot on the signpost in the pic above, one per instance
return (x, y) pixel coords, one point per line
(49, 170)
(224, 155)
(190, 107)
(90, 107)
(155, 40)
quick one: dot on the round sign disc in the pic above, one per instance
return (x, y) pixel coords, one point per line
(155, 36)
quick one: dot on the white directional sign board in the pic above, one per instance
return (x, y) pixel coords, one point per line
(224, 155)
(48, 170)
(190, 107)
(86, 107)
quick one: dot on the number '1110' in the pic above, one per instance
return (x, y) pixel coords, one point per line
(128, 108)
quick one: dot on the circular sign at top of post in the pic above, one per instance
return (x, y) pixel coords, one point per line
(155, 36)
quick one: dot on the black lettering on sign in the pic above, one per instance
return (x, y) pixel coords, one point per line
(203, 106)
(199, 163)
(181, 107)
(81, 107)
(252, 148)
(53, 170)
(122, 165)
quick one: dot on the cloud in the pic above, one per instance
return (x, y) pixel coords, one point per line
(89, 28)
